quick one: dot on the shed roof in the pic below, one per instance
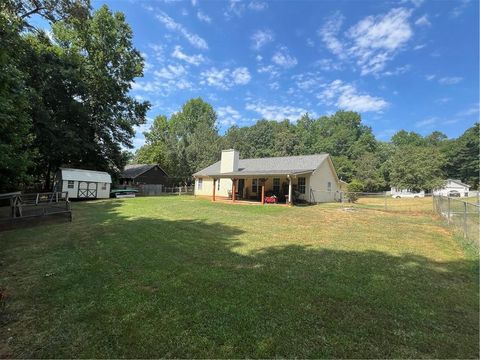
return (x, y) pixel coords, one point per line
(459, 182)
(85, 175)
(269, 166)
(131, 171)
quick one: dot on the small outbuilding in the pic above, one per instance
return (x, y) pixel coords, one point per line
(453, 187)
(83, 184)
(143, 174)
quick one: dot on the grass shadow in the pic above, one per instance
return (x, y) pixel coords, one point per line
(116, 285)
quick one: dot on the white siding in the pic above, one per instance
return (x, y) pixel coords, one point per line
(207, 187)
(452, 186)
(73, 193)
(317, 184)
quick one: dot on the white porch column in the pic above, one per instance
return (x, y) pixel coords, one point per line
(290, 201)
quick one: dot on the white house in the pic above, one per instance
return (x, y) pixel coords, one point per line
(311, 178)
(453, 188)
(83, 184)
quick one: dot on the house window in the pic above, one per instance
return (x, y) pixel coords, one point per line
(329, 186)
(254, 185)
(104, 186)
(276, 185)
(218, 185)
(200, 183)
(71, 184)
(301, 185)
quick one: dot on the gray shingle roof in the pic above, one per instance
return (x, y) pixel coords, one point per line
(269, 166)
(131, 171)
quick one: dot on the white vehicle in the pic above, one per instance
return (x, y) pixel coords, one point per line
(406, 193)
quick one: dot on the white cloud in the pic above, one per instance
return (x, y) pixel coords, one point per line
(397, 71)
(310, 42)
(443, 100)
(234, 8)
(415, 3)
(423, 21)
(241, 76)
(345, 96)
(307, 82)
(270, 70)
(158, 51)
(372, 42)
(328, 33)
(418, 47)
(276, 112)
(225, 78)
(261, 38)
(426, 123)
(228, 116)
(430, 77)
(194, 2)
(257, 5)
(204, 17)
(328, 64)
(191, 59)
(283, 58)
(170, 72)
(274, 85)
(450, 80)
(172, 25)
(473, 110)
(458, 10)
(259, 57)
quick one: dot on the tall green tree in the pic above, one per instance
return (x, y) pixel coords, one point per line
(464, 162)
(417, 168)
(108, 63)
(15, 123)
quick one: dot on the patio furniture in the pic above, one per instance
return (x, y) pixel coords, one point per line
(271, 199)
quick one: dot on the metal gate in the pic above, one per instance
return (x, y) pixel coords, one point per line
(87, 190)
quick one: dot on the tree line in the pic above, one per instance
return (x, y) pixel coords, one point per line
(189, 141)
(64, 95)
(65, 101)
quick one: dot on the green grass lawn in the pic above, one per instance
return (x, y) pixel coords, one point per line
(184, 277)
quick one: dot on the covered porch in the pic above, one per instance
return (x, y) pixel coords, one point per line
(263, 188)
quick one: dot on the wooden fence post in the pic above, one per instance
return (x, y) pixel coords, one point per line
(465, 209)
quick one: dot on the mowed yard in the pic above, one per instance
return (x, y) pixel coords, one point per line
(184, 277)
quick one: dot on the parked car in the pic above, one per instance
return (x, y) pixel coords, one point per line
(454, 193)
(404, 193)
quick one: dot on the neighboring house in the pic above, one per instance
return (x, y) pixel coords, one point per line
(83, 184)
(311, 178)
(453, 188)
(141, 174)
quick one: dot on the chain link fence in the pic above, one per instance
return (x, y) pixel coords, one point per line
(460, 214)
(382, 201)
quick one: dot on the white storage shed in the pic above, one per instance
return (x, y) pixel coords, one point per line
(83, 184)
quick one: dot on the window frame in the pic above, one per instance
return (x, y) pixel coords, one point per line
(329, 186)
(218, 184)
(70, 184)
(104, 186)
(199, 184)
(302, 187)
(275, 186)
(254, 185)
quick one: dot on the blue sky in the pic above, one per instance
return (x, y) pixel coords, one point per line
(408, 64)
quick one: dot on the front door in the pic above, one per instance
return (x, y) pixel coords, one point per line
(87, 190)
(241, 186)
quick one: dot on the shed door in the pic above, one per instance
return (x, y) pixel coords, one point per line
(87, 190)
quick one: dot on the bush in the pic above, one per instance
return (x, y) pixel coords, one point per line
(354, 188)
